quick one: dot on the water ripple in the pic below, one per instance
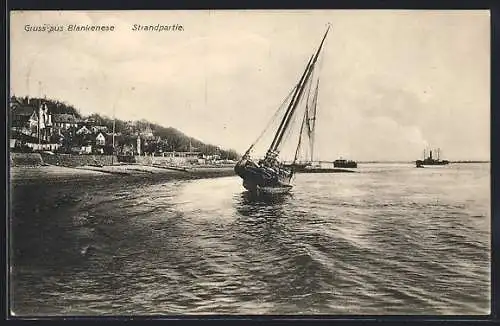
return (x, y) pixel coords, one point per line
(389, 240)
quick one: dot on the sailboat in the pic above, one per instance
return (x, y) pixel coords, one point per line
(270, 175)
(307, 131)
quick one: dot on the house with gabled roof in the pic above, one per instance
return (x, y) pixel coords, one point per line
(30, 120)
(83, 131)
(147, 133)
(100, 139)
(64, 121)
(20, 115)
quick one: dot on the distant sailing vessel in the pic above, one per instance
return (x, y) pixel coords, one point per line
(269, 175)
(430, 160)
(307, 129)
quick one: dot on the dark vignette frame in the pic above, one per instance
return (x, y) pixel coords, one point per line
(492, 5)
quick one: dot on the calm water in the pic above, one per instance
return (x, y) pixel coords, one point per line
(392, 239)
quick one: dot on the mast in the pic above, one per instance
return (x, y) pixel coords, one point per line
(300, 136)
(290, 105)
(313, 121)
(295, 102)
(305, 121)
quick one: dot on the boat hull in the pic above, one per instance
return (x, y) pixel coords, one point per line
(262, 179)
(427, 162)
(345, 164)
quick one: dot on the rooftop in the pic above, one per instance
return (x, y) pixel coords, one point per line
(19, 109)
(64, 118)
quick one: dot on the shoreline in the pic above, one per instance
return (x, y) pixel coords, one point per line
(52, 174)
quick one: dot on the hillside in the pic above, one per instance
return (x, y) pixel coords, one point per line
(55, 106)
(171, 137)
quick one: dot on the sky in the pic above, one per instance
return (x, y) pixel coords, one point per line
(392, 82)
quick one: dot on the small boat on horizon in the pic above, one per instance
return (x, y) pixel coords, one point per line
(348, 164)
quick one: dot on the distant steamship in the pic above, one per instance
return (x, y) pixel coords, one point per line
(430, 160)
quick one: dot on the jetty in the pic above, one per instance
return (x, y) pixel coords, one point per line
(319, 167)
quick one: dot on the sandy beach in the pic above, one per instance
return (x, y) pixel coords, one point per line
(59, 174)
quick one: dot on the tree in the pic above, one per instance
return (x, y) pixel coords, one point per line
(108, 149)
(171, 138)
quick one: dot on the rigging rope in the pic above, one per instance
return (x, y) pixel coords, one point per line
(280, 108)
(300, 137)
(312, 139)
(293, 118)
(305, 119)
(285, 132)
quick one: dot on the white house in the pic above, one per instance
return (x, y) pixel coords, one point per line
(147, 133)
(100, 139)
(64, 121)
(86, 149)
(83, 130)
(96, 129)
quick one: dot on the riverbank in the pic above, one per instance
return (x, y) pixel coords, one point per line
(58, 174)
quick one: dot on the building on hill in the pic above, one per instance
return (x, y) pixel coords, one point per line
(28, 120)
(83, 131)
(100, 139)
(20, 114)
(214, 157)
(20, 119)
(89, 121)
(65, 121)
(126, 149)
(130, 128)
(183, 157)
(97, 129)
(147, 133)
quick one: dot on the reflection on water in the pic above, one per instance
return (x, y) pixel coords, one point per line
(250, 205)
(377, 242)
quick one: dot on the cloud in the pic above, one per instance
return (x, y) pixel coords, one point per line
(389, 79)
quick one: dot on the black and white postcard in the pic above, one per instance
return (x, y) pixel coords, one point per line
(249, 162)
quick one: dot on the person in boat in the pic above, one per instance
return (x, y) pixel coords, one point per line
(267, 165)
(274, 164)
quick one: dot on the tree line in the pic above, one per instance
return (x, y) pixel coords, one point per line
(165, 138)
